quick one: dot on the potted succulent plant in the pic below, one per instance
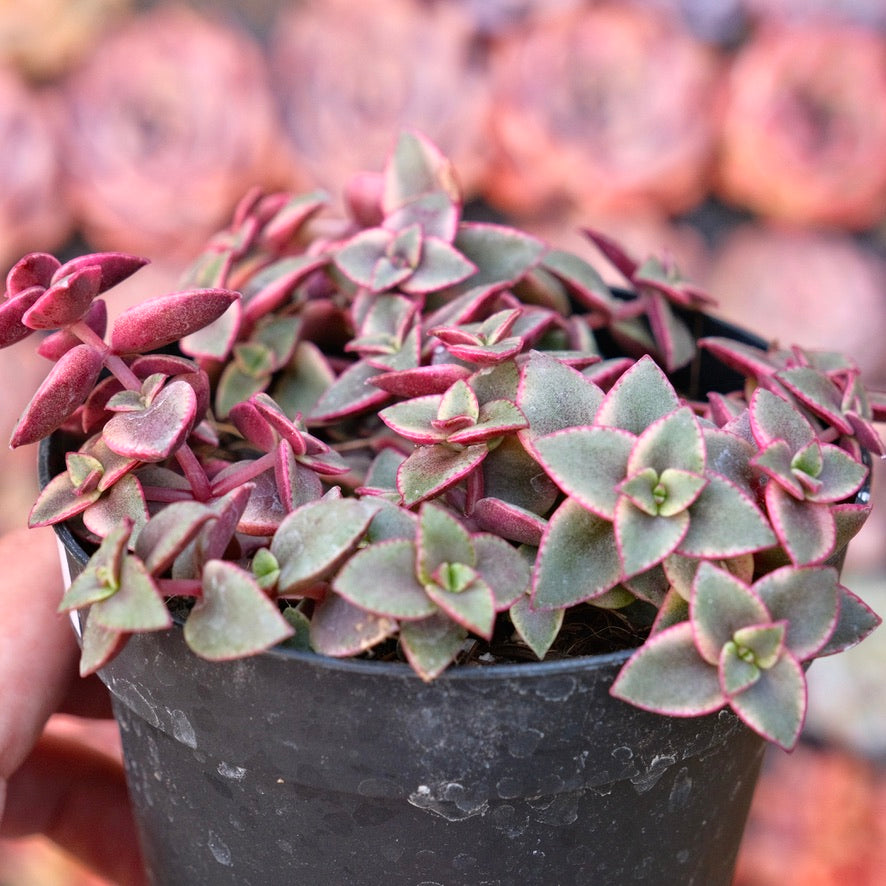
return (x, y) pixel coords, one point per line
(394, 535)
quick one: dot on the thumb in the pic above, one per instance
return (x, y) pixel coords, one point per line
(76, 796)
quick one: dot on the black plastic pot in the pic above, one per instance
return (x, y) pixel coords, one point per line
(291, 768)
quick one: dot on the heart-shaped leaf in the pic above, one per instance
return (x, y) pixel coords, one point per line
(234, 617)
(578, 558)
(156, 431)
(315, 538)
(668, 675)
(339, 628)
(431, 644)
(721, 605)
(381, 579)
(137, 605)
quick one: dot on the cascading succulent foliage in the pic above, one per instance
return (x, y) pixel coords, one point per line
(403, 433)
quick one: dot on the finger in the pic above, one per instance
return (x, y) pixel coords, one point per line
(77, 797)
(87, 697)
(38, 653)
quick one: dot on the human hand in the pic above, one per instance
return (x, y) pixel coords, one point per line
(51, 784)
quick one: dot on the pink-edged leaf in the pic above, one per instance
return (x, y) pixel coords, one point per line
(34, 269)
(473, 608)
(582, 279)
(866, 434)
(124, 500)
(723, 504)
(775, 705)
(743, 358)
(137, 605)
(101, 576)
(359, 258)
(613, 252)
(264, 511)
(434, 212)
(270, 287)
(441, 266)
(416, 167)
(721, 604)
(509, 521)
(382, 579)
(856, 620)
(511, 474)
(736, 672)
(65, 388)
(249, 421)
(538, 630)
(58, 501)
(155, 323)
(640, 397)
(316, 538)
(158, 430)
(65, 302)
(849, 518)
(414, 419)
(496, 418)
(115, 267)
(502, 254)
(431, 644)
(578, 558)
(817, 392)
(422, 380)
(774, 460)
(100, 645)
(215, 340)
(553, 396)
(805, 529)
(808, 599)
(428, 470)
(773, 418)
(296, 484)
(341, 629)
(57, 343)
(442, 539)
(672, 336)
(840, 478)
(672, 441)
(667, 675)
(587, 463)
(352, 392)
(233, 618)
(643, 539)
(12, 329)
(486, 354)
(169, 532)
(506, 571)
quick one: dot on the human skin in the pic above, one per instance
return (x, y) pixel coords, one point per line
(54, 784)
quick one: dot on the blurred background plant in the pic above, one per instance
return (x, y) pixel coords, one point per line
(746, 138)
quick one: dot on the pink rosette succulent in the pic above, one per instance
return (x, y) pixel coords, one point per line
(804, 126)
(33, 214)
(156, 159)
(609, 108)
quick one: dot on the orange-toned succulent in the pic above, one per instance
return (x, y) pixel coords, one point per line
(157, 158)
(804, 126)
(608, 107)
(44, 38)
(350, 75)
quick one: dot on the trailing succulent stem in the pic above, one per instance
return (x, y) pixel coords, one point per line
(402, 433)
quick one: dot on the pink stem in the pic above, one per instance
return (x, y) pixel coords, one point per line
(245, 470)
(194, 472)
(115, 364)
